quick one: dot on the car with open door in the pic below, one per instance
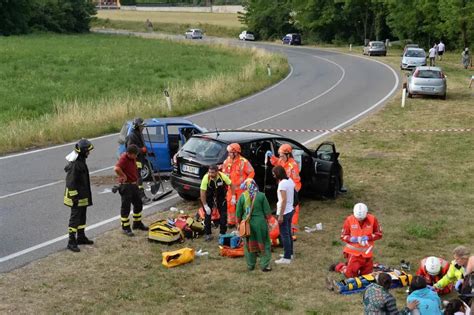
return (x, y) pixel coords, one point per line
(163, 138)
(320, 171)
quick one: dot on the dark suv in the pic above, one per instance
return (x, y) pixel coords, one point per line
(320, 171)
(291, 39)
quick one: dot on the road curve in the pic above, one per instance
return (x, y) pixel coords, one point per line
(324, 90)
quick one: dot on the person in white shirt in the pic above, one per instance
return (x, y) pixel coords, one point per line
(432, 54)
(441, 49)
(285, 190)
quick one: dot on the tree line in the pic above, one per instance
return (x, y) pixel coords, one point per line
(352, 21)
(60, 16)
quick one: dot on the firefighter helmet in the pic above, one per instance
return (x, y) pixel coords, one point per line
(360, 211)
(233, 148)
(138, 122)
(83, 146)
(285, 149)
(433, 265)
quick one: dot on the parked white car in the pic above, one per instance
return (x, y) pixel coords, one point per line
(246, 35)
(412, 58)
(427, 81)
(193, 33)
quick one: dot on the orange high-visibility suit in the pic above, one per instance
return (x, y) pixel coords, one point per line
(431, 280)
(238, 171)
(293, 172)
(359, 256)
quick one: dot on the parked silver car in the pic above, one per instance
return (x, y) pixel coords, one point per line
(246, 35)
(412, 58)
(375, 48)
(427, 81)
(193, 33)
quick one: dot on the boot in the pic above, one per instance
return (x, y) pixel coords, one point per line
(82, 238)
(72, 244)
(138, 225)
(127, 231)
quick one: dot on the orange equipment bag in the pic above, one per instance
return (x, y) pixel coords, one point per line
(215, 215)
(178, 257)
(226, 251)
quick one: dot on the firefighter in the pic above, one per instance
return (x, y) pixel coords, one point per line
(214, 187)
(136, 137)
(77, 194)
(238, 169)
(286, 160)
(433, 269)
(126, 169)
(359, 232)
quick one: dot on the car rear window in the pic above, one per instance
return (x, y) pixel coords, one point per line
(377, 44)
(205, 148)
(427, 74)
(415, 53)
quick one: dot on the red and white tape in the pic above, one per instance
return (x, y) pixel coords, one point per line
(363, 130)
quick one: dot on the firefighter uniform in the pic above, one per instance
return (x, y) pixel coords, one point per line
(216, 190)
(135, 137)
(430, 279)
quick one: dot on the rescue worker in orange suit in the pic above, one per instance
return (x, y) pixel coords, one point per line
(359, 232)
(136, 137)
(433, 269)
(286, 160)
(126, 170)
(238, 169)
(77, 194)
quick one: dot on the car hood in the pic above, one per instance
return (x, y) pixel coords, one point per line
(414, 60)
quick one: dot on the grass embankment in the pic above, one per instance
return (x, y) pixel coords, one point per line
(419, 185)
(58, 88)
(212, 24)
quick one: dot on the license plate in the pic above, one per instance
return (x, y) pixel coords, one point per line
(190, 169)
(427, 89)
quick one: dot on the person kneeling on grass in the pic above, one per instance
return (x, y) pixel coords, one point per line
(378, 300)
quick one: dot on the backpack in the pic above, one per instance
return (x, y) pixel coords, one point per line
(190, 227)
(163, 232)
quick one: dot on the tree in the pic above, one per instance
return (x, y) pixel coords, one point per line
(14, 16)
(457, 24)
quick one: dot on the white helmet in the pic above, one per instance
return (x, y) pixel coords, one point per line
(360, 211)
(432, 265)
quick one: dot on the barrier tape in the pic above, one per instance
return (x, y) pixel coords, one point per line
(362, 130)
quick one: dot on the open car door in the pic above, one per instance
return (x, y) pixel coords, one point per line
(325, 168)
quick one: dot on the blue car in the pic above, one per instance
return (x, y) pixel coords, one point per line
(163, 139)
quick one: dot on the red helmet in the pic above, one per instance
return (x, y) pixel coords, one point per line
(285, 149)
(233, 148)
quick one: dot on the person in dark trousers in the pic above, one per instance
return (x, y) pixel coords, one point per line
(136, 137)
(214, 187)
(126, 169)
(77, 194)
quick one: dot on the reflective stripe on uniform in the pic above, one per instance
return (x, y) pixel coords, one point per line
(139, 164)
(72, 230)
(359, 249)
(72, 192)
(83, 202)
(81, 227)
(68, 201)
(137, 217)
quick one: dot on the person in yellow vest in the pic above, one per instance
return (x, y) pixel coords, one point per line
(456, 269)
(359, 232)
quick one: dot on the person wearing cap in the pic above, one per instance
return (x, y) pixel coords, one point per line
(359, 232)
(77, 194)
(136, 138)
(238, 169)
(433, 269)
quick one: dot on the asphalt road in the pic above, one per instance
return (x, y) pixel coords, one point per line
(324, 90)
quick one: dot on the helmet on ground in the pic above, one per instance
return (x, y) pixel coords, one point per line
(360, 211)
(285, 149)
(138, 122)
(83, 146)
(432, 265)
(233, 148)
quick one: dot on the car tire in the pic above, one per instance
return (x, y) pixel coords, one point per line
(443, 97)
(187, 197)
(409, 94)
(370, 54)
(145, 172)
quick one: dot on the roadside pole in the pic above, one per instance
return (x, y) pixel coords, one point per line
(269, 70)
(404, 93)
(168, 100)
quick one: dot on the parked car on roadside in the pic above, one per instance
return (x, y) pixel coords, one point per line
(291, 39)
(193, 33)
(410, 46)
(163, 138)
(427, 81)
(375, 48)
(246, 35)
(320, 171)
(412, 58)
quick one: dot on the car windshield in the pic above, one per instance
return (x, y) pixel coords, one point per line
(249, 33)
(415, 53)
(427, 74)
(204, 147)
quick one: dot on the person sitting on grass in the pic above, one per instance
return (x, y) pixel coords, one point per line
(429, 301)
(378, 300)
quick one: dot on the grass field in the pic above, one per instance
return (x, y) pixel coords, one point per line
(58, 88)
(419, 185)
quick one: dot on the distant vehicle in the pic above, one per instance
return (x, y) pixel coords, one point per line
(320, 171)
(427, 81)
(291, 39)
(163, 138)
(412, 58)
(193, 33)
(246, 35)
(375, 48)
(410, 46)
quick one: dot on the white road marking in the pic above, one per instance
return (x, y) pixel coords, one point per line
(64, 237)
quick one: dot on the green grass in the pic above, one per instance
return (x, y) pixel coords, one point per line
(56, 88)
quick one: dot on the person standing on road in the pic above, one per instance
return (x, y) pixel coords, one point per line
(136, 138)
(77, 194)
(432, 54)
(286, 160)
(126, 169)
(238, 169)
(441, 49)
(214, 187)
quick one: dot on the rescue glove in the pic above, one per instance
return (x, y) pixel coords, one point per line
(232, 200)
(207, 209)
(363, 240)
(269, 154)
(354, 239)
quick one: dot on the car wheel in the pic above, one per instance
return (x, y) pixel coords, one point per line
(443, 97)
(370, 54)
(187, 197)
(409, 95)
(145, 172)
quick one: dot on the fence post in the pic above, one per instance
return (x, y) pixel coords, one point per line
(168, 100)
(404, 93)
